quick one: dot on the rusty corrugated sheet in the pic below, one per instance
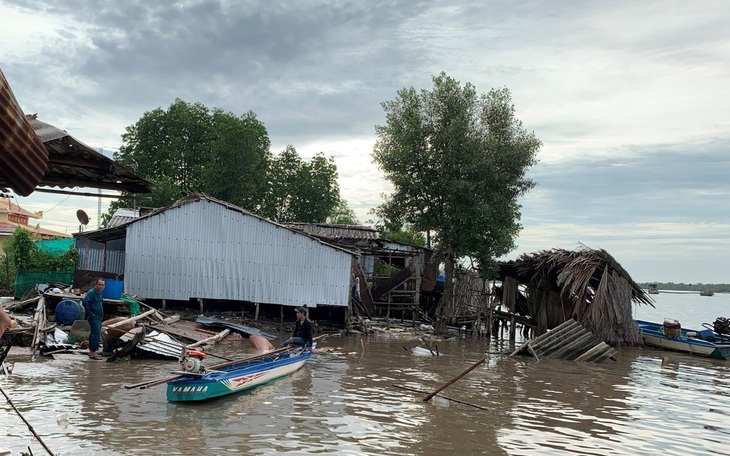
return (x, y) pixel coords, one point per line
(23, 158)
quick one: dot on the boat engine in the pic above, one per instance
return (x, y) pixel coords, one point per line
(193, 361)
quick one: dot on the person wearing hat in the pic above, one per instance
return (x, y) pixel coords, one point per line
(302, 334)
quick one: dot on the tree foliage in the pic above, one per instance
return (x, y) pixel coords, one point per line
(24, 255)
(457, 161)
(396, 230)
(302, 191)
(190, 148)
(342, 214)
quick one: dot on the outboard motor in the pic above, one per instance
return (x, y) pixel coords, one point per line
(192, 361)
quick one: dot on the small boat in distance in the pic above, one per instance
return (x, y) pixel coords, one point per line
(671, 336)
(653, 288)
(707, 293)
(196, 383)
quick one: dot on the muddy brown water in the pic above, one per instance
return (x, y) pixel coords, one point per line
(345, 403)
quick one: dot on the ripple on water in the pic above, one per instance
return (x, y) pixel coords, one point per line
(347, 404)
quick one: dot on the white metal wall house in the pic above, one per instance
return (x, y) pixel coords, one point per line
(205, 248)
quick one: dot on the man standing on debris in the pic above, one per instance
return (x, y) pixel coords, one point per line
(302, 334)
(93, 305)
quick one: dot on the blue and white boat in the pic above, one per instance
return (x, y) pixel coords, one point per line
(197, 383)
(701, 343)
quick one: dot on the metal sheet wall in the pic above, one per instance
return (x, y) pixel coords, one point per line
(92, 259)
(203, 249)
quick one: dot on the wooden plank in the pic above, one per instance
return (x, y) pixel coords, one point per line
(185, 329)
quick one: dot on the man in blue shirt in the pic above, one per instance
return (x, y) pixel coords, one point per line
(93, 305)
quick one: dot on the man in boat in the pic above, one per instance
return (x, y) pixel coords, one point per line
(302, 334)
(94, 306)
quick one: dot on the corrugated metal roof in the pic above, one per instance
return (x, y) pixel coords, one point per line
(122, 216)
(34, 153)
(23, 159)
(335, 231)
(72, 163)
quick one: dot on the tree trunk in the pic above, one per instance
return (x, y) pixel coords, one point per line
(448, 297)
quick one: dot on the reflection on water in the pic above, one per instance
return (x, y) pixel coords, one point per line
(346, 404)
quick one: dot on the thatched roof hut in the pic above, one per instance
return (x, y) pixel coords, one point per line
(587, 285)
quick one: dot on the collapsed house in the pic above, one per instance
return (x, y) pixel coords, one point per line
(586, 285)
(395, 279)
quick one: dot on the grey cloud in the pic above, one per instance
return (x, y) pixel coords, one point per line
(685, 184)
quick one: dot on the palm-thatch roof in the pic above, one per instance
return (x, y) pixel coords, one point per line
(587, 285)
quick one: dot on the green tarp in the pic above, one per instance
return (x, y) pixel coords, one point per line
(55, 246)
(27, 280)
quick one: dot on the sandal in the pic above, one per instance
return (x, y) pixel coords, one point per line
(95, 356)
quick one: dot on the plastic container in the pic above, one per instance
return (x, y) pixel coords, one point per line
(672, 328)
(113, 289)
(68, 311)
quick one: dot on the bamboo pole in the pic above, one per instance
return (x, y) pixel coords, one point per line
(131, 319)
(212, 339)
(38, 437)
(453, 380)
(444, 397)
(156, 314)
(40, 320)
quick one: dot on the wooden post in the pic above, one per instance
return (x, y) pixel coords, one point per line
(200, 303)
(39, 318)
(256, 314)
(453, 380)
(164, 304)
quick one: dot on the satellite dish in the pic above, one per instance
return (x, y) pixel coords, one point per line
(83, 218)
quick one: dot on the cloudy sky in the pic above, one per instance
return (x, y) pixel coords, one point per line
(630, 99)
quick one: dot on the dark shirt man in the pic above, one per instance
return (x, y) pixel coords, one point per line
(94, 306)
(302, 334)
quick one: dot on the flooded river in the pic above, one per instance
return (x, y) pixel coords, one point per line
(347, 403)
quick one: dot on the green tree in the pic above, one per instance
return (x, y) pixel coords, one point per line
(240, 160)
(190, 148)
(302, 191)
(343, 215)
(20, 248)
(457, 162)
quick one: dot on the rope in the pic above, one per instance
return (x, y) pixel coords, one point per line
(26, 423)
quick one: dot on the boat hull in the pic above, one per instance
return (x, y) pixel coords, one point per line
(235, 379)
(654, 336)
